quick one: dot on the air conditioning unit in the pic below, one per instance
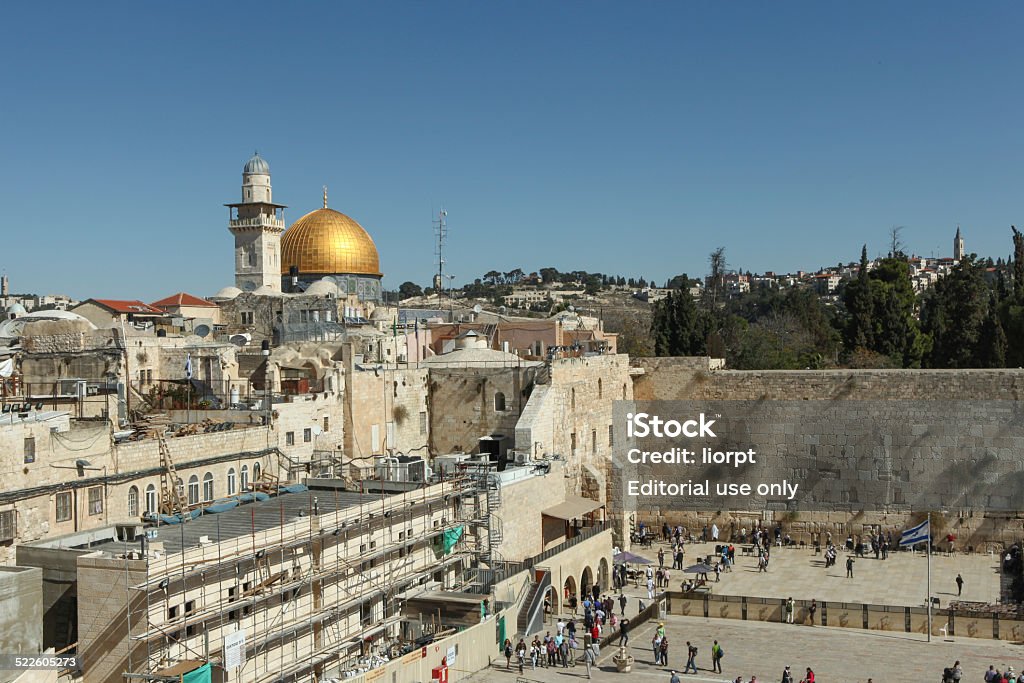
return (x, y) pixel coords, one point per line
(522, 457)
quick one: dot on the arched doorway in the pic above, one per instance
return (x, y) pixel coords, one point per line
(602, 574)
(587, 582)
(556, 604)
(569, 588)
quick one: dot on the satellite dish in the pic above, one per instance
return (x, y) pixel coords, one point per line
(572, 308)
(478, 308)
(502, 309)
(202, 330)
(317, 431)
(240, 340)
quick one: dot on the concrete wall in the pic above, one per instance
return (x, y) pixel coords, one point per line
(21, 613)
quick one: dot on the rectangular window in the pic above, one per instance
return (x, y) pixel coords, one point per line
(307, 435)
(327, 424)
(593, 441)
(30, 449)
(423, 422)
(572, 441)
(289, 439)
(96, 500)
(611, 435)
(63, 501)
(248, 317)
(8, 525)
(390, 435)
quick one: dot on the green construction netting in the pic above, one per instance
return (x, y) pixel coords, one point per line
(451, 537)
(201, 675)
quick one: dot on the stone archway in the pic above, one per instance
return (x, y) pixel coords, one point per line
(603, 578)
(569, 588)
(555, 600)
(586, 581)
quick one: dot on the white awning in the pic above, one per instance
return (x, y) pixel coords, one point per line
(574, 507)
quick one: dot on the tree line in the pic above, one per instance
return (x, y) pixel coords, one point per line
(964, 321)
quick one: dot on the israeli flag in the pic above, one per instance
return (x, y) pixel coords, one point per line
(919, 534)
(188, 366)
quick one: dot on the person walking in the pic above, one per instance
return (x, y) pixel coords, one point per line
(650, 589)
(622, 604)
(691, 658)
(674, 678)
(812, 610)
(663, 651)
(521, 654)
(787, 675)
(661, 557)
(790, 606)
(624, 632)
(508, 653)
(959, 585)
(716, 657)
(589, 658)
(849, 567)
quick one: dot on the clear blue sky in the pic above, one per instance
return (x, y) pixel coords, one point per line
(612, 137)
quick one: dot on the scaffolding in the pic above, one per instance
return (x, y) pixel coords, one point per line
(347, 598)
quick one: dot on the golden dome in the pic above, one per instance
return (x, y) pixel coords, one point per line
(327, 241)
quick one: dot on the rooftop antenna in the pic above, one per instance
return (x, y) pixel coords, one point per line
(441, 233)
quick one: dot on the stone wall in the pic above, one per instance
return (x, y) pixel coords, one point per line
(103, 618)
(387, 402)
(463, 407)
(21, 613)
(696, 379)
(673, 379)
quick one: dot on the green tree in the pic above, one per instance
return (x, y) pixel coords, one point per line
(992, 344)
(678, 327)
(408, 290)
(954, 314)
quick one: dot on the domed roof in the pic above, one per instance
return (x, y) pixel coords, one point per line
(264, 290)
(226, 294)
(257, 165)
(323, 288)
(15, 309)
(328, 241)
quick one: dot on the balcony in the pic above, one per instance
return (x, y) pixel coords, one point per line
(257, 222)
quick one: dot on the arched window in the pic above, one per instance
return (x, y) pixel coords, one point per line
(133, 501)
(245, 478)
(231, 481)
(207, 487)
(193, 490)
(600, 388)
(255, 472)
(499, 401)
(151, 504)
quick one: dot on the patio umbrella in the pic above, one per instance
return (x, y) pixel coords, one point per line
(629, 557)
(700, 568)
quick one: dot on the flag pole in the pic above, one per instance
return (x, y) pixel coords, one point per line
(928, 549)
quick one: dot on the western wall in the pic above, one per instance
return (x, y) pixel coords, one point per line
(703, 379)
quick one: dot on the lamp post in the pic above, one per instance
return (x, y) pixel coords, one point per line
(265, 351)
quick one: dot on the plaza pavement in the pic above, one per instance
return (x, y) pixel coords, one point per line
(898, 580)
(837, 655)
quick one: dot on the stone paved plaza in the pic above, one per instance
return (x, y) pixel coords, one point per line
(796, 572)
(756, 648)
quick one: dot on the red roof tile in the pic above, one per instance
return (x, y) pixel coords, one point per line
(183, 299)
(123, 306)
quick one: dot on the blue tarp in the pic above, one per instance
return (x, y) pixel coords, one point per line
(220, 506)
(294, 488)
(172, 519)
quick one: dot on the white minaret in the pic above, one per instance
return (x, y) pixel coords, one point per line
(257, 224)
(958, 246)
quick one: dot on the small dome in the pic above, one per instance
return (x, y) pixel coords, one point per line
(257, 165)
(226, 294)
(15, 309)
(323, 288)
(264, 290)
